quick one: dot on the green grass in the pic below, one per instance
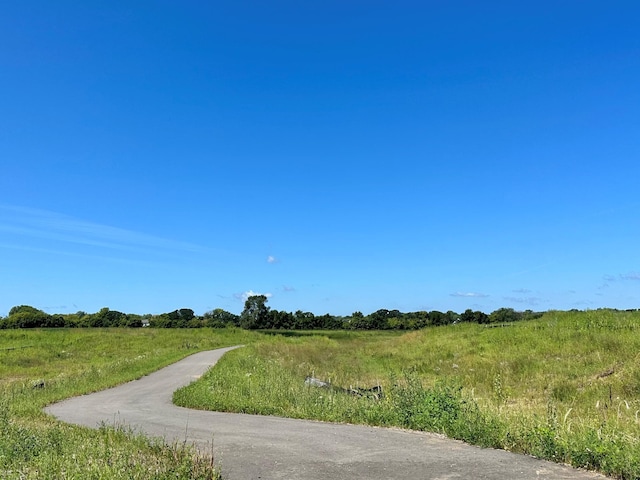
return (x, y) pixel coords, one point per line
(61, 363)
(565, 387)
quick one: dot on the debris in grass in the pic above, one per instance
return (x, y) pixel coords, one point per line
(606, 374)
(374, 393)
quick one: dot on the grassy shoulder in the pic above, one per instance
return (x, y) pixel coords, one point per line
(565, 387)
(39, 367)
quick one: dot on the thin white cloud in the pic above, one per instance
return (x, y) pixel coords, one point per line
(521, 290)
(71, 253)
(272, 259)
(288, 288)
(23, 223)
(469, 294)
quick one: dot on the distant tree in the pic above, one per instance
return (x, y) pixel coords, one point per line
(186, 314)
(159, 321)
(255, 313)
(504, 315)
(329, 322)
(26, 316)
(437, 318)
(474, 317)
(531, 315)
(131, 320)
(357, 321)
(220, 318)
(413, 320)
(452, 317)
(304, 320)
(281, 320)
(181, 318)
(379, 320)
(106, 318)
(26, 309)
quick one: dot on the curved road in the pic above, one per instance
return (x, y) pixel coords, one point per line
(259, 447)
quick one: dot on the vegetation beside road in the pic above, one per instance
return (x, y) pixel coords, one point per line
(39, 367)
(564, 387)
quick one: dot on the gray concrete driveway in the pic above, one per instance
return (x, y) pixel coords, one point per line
(251, 447)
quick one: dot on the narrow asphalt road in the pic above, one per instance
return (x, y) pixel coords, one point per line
(249, 447)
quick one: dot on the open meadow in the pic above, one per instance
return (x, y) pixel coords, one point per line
(564, 387)
(39, 367)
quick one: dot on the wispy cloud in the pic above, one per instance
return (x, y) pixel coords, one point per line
(521, 290)
(533, 301)
(630, 276)
(21, 224)
(469, 294)
(622, 276)
(287, 288)
(75, 254)
(272, 259)
(608, 280)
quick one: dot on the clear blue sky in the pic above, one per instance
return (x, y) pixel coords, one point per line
(337, 156)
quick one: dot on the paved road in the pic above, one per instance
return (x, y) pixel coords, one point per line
(249, 447)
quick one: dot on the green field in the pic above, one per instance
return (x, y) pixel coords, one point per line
(565, 387)
(38, 367)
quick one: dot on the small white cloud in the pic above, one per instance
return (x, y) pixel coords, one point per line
(272, 259)
(250, 293)
(469, 294)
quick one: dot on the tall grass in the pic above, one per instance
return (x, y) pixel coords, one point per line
(38, 367)
(565, 387)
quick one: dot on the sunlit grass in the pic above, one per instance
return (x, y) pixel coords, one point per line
(38, 367)
(565, 387)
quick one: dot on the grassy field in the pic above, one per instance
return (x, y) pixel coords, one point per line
(565, 387)
(38, 367)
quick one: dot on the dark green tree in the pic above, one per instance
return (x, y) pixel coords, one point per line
(304, 320)
(281, 320)
(25, 316)
(220, 318)
(255, 313)
(474, 317)
(504, 315)
(437, 318)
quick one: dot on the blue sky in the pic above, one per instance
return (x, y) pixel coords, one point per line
(337, 156)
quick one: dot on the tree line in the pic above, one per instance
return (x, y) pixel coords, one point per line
(256, 315)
